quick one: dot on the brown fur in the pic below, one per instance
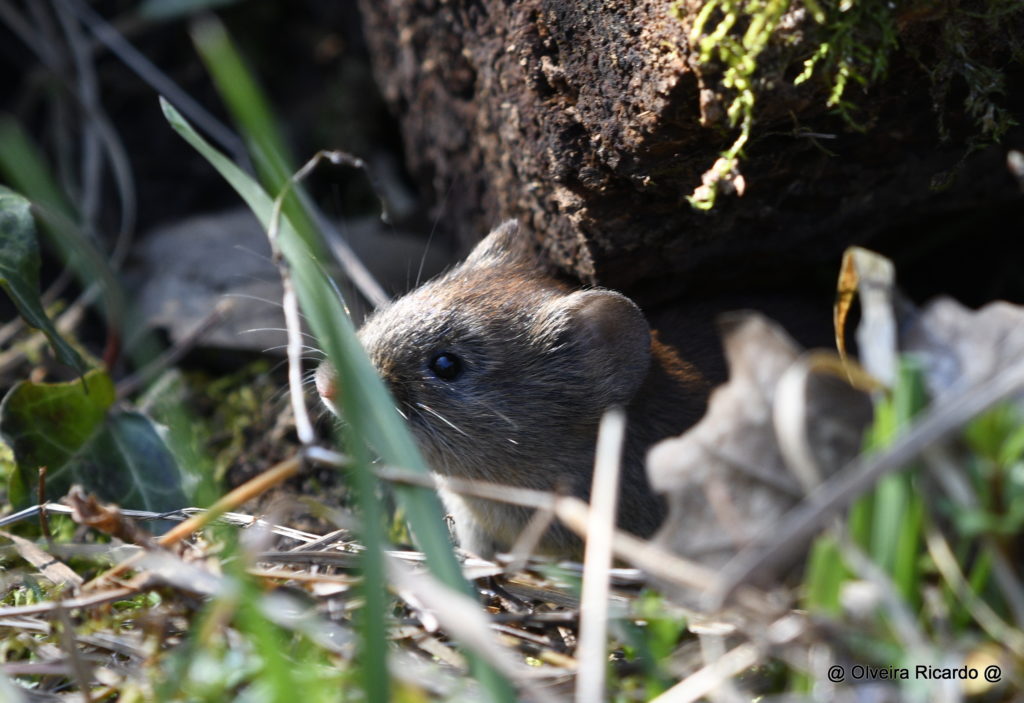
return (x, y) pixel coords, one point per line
(541, 363)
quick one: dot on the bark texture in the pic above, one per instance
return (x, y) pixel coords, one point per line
(591, 122)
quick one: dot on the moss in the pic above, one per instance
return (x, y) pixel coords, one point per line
(860, 35)
(733, 33)
(850, 43)
(971, 40)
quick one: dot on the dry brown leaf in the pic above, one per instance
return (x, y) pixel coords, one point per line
(959, 347)
(87, 510)
(727, 479)
(872, 277)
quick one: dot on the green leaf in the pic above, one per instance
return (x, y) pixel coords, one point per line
(67, 427)
(46, 423)
(129, 463)
(19, 272)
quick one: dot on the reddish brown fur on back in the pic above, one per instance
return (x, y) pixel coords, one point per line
(682, 371)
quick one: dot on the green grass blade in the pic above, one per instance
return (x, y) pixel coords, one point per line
(23, 166)
(826, 575)
(251, 112)
(368, 407)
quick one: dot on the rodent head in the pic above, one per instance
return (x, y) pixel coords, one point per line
(500, 368)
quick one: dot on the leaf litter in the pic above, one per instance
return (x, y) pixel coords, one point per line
(775, 461)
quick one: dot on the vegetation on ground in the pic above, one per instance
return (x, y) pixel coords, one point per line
(179, 594)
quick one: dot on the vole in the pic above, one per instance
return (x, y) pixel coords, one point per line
(503, 372)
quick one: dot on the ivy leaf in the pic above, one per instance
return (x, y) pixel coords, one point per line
(129, 463)
(69, 428)
(19, 272)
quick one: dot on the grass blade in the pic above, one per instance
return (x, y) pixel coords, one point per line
(368, 407)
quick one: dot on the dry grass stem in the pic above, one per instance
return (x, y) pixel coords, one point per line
(597, 559)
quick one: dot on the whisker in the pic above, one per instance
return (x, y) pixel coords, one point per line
(258, 299)
(430, 237)
(277, 367)
(304, 347)
(267, 301)
(500, 414)
(276, 329)
(441, 417)
(259, 255)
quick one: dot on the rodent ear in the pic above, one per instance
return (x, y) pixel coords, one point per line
(614, 341)
(505, 243)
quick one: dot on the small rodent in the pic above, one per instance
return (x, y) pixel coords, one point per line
(503, 372)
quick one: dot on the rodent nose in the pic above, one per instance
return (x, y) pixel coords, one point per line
(326, 382)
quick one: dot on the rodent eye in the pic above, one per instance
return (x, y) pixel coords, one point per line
(446, 366)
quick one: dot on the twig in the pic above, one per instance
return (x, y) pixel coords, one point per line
(247, 491)
(44, 523)
(709, 677)
(573, 512)
(350, 262)
(79, 668)
(290, 306)
(156, 78)
(904, 625)
(597, 559)
(462, 618)
(87, 601)
(354, 268)
(527, 541)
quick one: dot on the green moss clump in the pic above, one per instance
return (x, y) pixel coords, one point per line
(737, 50)
(851, 44)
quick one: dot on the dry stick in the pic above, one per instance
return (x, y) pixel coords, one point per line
(643, 554)
(290, 306)
(44, 520)
(597, 559)
(342, 251)
(572, 512)
(902, 621)
(350, 262)
(462, 618)
(79, 669)
(247, 491)
(50, 607)
(157, 79)
(801, 523)
(710, 677)
(712, 648)
(527, 541)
